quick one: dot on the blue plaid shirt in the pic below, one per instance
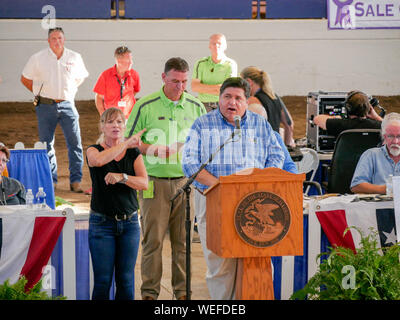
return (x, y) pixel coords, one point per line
(256, 148)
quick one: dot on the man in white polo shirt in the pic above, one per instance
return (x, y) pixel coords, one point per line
(54, 75)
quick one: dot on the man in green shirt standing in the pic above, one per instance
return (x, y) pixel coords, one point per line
(167, 116)
(210, 72)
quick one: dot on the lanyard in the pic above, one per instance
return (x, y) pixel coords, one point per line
(122, 85)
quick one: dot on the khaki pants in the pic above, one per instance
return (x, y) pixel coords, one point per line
(221, 272)
(158, 215)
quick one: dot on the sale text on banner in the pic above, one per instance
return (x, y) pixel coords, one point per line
(363, 14)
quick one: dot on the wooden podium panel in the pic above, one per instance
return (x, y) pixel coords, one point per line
(224, 198)
(254, 279)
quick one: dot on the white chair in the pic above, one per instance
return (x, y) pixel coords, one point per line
(309, 163)
(40, 145)
(37, 145)
(19, 146)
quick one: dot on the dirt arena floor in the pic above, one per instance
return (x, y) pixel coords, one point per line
(18, 123)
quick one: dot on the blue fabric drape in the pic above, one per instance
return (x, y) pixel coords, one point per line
(32, 168)
(82, 260)
(277, 263)
(300, 276)
(301, 262)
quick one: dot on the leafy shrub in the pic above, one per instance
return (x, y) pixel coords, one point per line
(376, 273)
(17, 291)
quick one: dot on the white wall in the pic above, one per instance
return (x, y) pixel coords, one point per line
(300, 55)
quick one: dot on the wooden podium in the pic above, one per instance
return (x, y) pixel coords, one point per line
(253, 215)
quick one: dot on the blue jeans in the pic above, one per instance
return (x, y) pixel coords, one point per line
(113, 244)
(65, 113)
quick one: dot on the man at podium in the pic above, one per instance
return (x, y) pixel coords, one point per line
(253, 145)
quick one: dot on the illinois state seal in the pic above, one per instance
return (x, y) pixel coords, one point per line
(262, 219)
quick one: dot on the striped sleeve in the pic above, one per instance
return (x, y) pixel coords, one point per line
(132, 124)
(275, 157)
(191, 157)
(191, 154)
(195, 74)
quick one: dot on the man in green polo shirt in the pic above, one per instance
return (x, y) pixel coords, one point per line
(167, 116)
(210, 72)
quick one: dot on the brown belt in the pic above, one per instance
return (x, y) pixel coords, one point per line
(48, 100)
(167, 178)
(117, 217)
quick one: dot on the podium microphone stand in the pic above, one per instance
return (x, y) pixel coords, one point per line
(187, 189)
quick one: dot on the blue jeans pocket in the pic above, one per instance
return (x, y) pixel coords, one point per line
(96, 219)
(99, 226)
(132, 220)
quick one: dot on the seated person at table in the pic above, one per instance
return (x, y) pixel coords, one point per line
(361, 115)
(11, 190)
(288, 165)
(376, 164)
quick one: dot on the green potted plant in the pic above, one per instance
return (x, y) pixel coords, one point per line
(17, 291)
(373, 273)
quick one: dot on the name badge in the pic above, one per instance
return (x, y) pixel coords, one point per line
(149, 193)
(122, 104)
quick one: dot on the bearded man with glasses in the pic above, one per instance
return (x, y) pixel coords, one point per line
(377, 164)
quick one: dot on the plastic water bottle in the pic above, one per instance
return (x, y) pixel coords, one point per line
(389, 186)
(41, 198)
(29, 198)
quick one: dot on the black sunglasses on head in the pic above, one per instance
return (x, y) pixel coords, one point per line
(56, 29)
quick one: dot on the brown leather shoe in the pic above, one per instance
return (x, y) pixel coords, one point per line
(182, 297)
(76, 187)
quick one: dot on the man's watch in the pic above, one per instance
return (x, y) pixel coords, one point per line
(124, 178)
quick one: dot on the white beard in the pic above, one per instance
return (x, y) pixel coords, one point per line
(395, 150)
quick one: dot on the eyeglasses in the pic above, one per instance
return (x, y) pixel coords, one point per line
(392, 137)
(5, 161)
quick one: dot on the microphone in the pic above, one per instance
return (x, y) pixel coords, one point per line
(237, 119)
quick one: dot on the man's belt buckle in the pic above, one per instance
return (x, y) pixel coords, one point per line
(123, 218)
